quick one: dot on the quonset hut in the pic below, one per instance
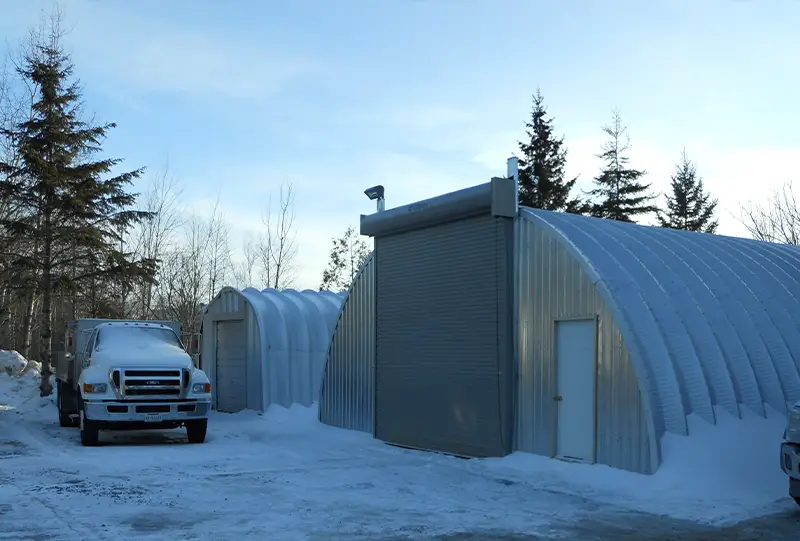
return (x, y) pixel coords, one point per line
(478, 329)
(267, 347)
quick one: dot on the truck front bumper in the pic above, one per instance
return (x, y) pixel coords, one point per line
(790, 460)
(146, 412)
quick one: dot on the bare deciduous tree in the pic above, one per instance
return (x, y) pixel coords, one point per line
(218, 252)
(244, 270)
(183, 276)
(193, 269)
(154, 237)
(777, 220)
(277, 250)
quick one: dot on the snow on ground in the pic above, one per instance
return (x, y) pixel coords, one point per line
(722, 473)
(283, 475)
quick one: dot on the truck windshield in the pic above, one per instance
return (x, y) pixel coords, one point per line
(136, 337)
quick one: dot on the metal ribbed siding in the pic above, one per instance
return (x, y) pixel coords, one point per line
(348, 386)
(552, 284)
(227, 302)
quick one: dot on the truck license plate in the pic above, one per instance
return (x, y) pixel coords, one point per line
(152, 418)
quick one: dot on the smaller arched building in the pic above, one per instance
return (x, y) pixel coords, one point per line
(478, 328)
(267, 347)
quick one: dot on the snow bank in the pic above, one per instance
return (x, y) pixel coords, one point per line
(11, 362)
(719, 474)
(19, 385)
(19, 392)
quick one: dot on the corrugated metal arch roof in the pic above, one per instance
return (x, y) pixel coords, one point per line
(294, 329)
(709, 320)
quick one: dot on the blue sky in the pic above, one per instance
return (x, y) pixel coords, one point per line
(428, 96)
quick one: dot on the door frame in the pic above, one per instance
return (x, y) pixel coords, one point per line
(554, 333)
(214, 386)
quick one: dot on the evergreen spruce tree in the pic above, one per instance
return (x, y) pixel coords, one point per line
(72, 209)
(622, 196)
(689, 207)
(541, 172)
(348, 254)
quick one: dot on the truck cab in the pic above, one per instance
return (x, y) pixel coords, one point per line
(790, 452)
(123, 375)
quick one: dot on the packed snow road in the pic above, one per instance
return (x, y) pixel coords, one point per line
(285, 476)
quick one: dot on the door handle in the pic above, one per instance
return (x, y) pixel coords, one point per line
(558, 398)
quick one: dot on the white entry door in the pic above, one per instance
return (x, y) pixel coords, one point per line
(575, 391)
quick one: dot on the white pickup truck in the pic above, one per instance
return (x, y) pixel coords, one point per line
(129, 375)
(790, 452)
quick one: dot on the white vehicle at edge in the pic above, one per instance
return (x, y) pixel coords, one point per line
(131, 375)
(790, 452)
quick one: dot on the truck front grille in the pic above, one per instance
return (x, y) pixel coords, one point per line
(152, 383)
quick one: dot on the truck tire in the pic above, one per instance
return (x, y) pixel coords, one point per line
(90, 433)
(196, 430)
(64, 418)
(797, 501)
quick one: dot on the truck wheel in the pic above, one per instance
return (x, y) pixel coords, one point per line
(196, 430)
(797, 501)
(64, 419)
(90, 434)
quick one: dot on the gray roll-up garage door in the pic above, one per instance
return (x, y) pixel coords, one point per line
(444, 350)
(231, 367)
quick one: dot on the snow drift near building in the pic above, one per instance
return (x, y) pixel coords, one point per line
(722, 474)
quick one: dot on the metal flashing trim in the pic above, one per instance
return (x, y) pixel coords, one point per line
(451, 206)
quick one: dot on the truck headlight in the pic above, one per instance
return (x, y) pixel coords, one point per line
(199, 388)
(95, 387)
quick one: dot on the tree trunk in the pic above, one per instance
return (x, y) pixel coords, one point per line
(148, 301)
(27, 324)
(74, 294)
(6, 322)
(45, 330)
(92, 298)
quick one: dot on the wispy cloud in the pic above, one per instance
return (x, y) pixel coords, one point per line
(147, 53)
(202, 66)
(413, 118)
